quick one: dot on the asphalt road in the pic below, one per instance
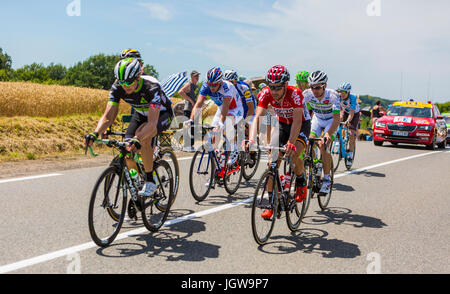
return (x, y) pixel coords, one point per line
(389, 215)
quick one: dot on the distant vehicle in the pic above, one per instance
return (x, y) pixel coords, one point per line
(413, 123)
(447, 120)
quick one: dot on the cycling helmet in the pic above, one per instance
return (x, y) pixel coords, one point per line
(302, 76)
(127, 70)
(262, 85)
(318, 77)
(242, 78)
(345, 86)
(127, 53)
(278, 74)
(214, 75)
(230, 75)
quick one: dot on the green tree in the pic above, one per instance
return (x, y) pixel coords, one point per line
(149, 69)
(95, 72)
(56, 72)
(5, 60)
(35, 73)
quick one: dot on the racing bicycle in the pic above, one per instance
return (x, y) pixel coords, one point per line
(340, 147)
(209, 167)
(108, 201)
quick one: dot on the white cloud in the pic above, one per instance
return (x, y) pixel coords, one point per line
(340, 38)
(157, 10)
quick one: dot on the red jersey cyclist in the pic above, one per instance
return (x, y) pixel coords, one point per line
(294, 123)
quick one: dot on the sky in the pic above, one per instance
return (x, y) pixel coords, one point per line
(394, 49)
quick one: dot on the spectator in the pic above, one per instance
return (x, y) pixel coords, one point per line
(376, 112)
(187, 92)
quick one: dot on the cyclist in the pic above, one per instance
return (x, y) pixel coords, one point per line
(245, 93)
(325, 105)
(301, 79)
(270, 119)
(153, 114)
(350, 115)
(229, 107)
(287, 103)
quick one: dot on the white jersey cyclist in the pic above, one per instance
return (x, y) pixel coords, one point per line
(323, 110)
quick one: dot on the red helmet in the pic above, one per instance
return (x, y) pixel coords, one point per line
(278, 74)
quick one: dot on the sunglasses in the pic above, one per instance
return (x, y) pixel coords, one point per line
(343, 92)
(213, 84)
(276, 88)
(317, 87)
(127, 84)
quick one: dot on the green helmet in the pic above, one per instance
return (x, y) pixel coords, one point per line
(302, 76)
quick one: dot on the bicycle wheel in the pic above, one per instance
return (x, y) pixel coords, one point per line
(325, 200)
(296, 211)
(233, 175)
(107, 206)
(169, 156)
(251, 165)
(201, 174)
(336, 152)
(262, 227)
(156, 207)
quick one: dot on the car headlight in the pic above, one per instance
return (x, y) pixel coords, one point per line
(380, 125)
(425, 128)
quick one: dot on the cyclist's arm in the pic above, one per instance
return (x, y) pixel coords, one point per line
(111, 111)
(198, 106)
(351, 114)
(334, 124)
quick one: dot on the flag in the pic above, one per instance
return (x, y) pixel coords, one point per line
(173, 83)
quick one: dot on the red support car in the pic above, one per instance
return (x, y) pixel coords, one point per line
(413, 123)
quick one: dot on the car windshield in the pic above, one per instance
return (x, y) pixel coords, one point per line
(447, 119)
(410, 111)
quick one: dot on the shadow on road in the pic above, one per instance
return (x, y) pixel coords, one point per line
(369, 174)
(343, 216)
(342, 187)
(311, 241)
(170, 242)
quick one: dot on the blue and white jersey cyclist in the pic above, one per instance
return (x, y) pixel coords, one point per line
(229, 107)
(244, 91)
(350, 115)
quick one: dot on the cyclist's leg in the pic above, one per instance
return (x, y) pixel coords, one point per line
(325, 150)
(352, 131)
(137, 120)
(300, 146)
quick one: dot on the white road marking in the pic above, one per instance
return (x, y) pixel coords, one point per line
(29, 178)
(85, 246)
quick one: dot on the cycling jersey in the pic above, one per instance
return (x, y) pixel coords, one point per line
(148, 94)
(246, 95)
(226, 90)
(324, 109)
(350, 103)
(293, 99)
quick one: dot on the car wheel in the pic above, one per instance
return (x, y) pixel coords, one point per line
(378, 143)
(442, 144)
(432, 146)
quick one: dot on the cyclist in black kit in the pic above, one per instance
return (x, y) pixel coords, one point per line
(153, 114)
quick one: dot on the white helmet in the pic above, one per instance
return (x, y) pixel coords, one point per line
(230, 75)
(317, 77)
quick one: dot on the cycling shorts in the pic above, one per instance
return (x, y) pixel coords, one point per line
(320, 125)
(354, 122)
(280, 136)
(164, 121)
